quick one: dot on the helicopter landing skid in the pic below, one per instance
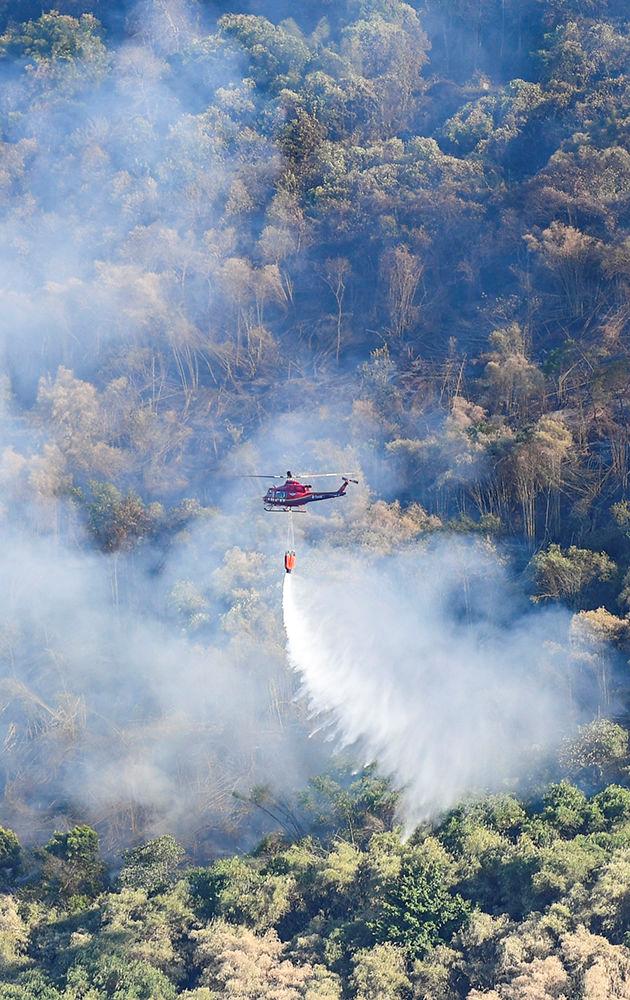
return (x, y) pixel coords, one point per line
(284, 510)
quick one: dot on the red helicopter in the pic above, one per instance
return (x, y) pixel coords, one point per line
(294, 493)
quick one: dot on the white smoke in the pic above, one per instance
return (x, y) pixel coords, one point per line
(428, 665)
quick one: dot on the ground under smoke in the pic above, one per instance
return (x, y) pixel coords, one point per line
(144, 716)
(425, 661)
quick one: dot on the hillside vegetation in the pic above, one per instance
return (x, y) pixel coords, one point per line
(497, 901)
(358, 234)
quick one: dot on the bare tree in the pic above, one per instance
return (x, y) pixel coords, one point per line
(335, 273)
(403, 271)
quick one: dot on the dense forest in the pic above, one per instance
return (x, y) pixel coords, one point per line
(383, 237)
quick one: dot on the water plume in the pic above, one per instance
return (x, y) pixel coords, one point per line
(428, 663)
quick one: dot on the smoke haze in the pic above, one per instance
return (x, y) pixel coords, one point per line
(173, 216)
(139, 690)
(116, 713)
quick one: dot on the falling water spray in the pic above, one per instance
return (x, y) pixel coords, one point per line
(427, 664)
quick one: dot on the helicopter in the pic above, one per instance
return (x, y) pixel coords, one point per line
(295, 494)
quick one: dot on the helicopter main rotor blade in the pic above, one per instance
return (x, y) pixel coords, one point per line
(307, 475)
(327, 475)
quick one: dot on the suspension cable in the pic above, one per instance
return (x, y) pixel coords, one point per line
(290, 532)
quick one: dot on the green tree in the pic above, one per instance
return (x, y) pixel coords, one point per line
(119, 977)
(388, 45)
(117, 521)
(514, 379)
(353, 810)
(565, 574)
(565, 808)
(154, 866)
(234, 890)
(614, 804)
(599, 752)
(418, 908)
(33, 985)
(563, 865)
(56, 45)
(72, 865)
(14, 935)
(379, 973)
(277, 56)
(609, 902)
(10, 857)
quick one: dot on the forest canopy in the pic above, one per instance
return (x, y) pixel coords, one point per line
(364, 234)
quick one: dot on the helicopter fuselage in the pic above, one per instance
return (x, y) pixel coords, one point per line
(294, 494)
